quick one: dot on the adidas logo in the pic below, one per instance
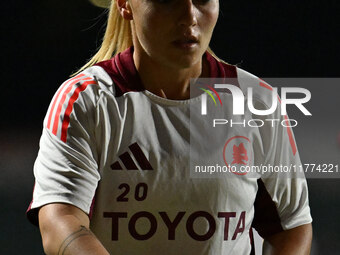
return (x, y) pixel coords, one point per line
(128, 161)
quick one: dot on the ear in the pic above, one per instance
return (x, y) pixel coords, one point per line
(124, 9)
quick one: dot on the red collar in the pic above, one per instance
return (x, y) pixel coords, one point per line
(124, 74)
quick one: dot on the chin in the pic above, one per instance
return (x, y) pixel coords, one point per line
(187, 60)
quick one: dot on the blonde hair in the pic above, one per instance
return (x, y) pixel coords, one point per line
(117, 38)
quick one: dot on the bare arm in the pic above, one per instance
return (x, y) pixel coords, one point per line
(65, 230)
(290, 242)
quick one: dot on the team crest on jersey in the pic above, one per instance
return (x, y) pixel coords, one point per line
(238, 154)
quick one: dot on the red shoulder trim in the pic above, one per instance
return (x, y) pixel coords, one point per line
(62, 105)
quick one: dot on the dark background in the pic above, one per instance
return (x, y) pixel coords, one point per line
(44, 41)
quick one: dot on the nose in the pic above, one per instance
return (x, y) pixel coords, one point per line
(188, 13)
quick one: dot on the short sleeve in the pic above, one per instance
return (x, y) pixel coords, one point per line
(66, 169)
(282, 198)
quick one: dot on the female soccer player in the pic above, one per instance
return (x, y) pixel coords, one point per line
(112, 170)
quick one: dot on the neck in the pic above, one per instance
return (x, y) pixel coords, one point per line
(166, 81)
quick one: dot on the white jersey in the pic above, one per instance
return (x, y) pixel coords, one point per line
(121, 153)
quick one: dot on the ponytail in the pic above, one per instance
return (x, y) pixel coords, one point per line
(117, 37)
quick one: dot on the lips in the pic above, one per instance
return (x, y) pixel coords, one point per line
(186, 42)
